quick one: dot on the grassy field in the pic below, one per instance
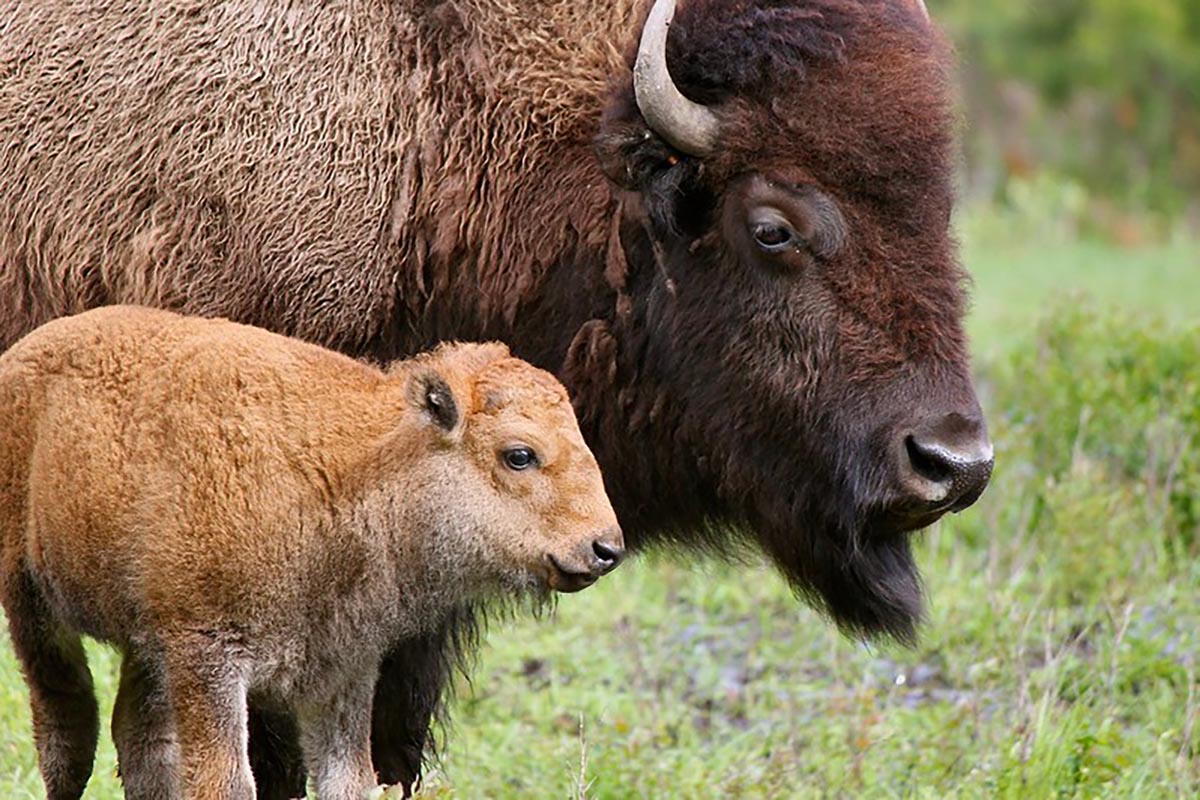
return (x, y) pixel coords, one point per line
(1061, 654)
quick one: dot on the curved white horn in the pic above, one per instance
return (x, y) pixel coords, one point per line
(686, 125)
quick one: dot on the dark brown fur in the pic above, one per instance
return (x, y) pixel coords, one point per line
(378, 176)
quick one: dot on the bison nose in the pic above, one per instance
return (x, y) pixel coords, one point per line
(609, 551)
(946, 462)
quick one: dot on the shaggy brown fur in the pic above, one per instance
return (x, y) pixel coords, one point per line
(378, 175)
(243, 513)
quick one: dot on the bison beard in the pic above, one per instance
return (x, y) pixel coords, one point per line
(425, 206)
(869, 588)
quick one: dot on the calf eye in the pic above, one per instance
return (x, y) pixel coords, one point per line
(774, 238)
(519, 458)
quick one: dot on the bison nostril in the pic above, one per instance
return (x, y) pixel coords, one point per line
(946, 463)
(930, 462)
(609, 555)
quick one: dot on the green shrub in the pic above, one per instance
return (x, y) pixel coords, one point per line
(1107, 93)
(1105, 412)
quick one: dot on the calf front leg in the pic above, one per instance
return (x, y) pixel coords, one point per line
(208, 696)
(336, 738)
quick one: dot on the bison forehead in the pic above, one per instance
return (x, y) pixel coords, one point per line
(853, 97)
(723, 48)
(855, 92)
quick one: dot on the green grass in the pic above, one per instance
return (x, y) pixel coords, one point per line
(1061, 654)
(1017, 283)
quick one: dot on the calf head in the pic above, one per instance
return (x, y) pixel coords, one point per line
(528, 498)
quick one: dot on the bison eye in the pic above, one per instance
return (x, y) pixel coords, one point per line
(519, 458)
(774, 238)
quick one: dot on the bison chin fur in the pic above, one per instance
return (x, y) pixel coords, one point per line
(827, 533)
(854, 570)
(872, 588)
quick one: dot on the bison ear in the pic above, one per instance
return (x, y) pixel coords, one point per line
(631, 155)
(438, 401)
(636, 159)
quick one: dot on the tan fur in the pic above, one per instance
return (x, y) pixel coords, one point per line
(244, 513)
(304, 169)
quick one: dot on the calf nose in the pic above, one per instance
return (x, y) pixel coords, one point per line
(609, 550)
(945, 463)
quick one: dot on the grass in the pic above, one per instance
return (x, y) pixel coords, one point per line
(1059, 660)
(1015, 284)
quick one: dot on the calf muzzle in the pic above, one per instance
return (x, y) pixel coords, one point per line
(576, 570)
(609, 550)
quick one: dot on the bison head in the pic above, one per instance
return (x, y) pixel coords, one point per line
(790, 301)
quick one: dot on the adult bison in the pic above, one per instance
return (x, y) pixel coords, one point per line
(742, 268)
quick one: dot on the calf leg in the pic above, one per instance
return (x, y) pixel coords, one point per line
(144, 733)
(407, 696)
(66, 722)
(208, 698)
(336, 737)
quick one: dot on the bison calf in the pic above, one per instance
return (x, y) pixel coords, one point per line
(247, 515)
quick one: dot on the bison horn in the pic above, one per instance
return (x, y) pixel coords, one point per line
(924, 10)
(686, 125)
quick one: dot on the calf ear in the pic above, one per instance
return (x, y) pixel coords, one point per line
(444, 383)
(439, 403)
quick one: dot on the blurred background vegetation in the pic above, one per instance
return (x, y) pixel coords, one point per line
(1087, 111)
